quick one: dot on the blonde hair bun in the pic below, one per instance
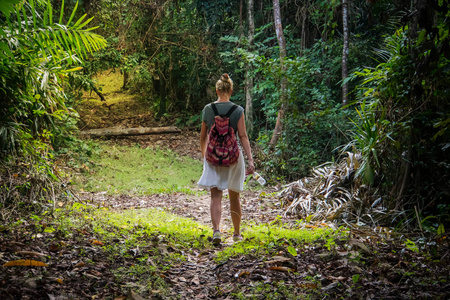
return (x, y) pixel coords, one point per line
(224, 84)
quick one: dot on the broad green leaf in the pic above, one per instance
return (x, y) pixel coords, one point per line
(6, 7)
(33, 10)
(45, 17)
(421, 38)
(292, 251)
(85, 23)
(91, 28)
(50, 12)
(4, 46)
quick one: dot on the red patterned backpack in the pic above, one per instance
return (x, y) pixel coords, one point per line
(222, 149)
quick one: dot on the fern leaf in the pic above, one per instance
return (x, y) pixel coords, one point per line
(85, 23)
(79, 21)
(62, 12)
(73, 13)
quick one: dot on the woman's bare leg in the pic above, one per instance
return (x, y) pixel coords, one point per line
(235, 210)
(216, 208)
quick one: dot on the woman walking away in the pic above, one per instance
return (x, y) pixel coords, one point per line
(223, 166)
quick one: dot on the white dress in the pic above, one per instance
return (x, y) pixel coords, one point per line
(223, 178)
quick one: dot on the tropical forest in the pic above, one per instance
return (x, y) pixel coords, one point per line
(346, 111)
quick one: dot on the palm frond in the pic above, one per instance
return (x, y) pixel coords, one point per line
(55, 41)
(332, 193)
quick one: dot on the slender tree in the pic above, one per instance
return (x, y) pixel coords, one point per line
(282, 43)
(248, 76)
(345, 52)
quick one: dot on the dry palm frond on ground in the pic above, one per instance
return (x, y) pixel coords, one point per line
(332, 193)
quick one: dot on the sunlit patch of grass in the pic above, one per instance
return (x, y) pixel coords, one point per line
(120, 105)
(137, 171)
(110, 81)
(268, 238)
(148, 222)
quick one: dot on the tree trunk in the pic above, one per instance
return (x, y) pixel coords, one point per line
(115, 131)
(248, 73)
(282, 43)
(94, 88)
(241, 18)
(345, 52)
(125, 80)
(162, 95)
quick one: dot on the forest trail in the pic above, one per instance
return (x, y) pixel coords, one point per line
(120, 245)
(122, 219)
(331, 268)
(199, 277)
(125, 110)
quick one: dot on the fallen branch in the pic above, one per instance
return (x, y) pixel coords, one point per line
(116, 131)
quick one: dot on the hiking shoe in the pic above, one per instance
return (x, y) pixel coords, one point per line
(216, 238)
(237, 238)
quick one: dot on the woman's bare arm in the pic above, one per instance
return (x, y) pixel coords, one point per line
(242, 131)
(203, 138)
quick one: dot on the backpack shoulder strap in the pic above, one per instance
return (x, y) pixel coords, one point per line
(232, 109)
(216, 113)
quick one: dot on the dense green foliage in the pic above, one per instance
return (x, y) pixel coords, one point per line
(173, 52)
(38, 48)
(403, 128)
(37, 52)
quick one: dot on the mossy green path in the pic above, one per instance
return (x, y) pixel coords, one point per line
(165, 251)
(158, 254)
(121, 108)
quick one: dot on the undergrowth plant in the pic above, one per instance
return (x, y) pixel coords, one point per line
(38, 49)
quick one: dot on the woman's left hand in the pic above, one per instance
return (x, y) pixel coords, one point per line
(250, 168)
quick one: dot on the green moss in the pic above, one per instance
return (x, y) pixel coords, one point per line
(265, 239)
(150, 222)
